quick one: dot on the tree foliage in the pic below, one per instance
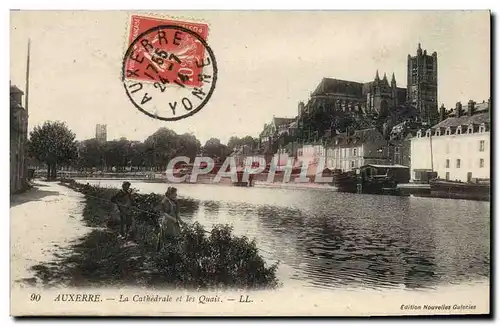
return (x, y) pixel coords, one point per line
(215, 149)
(91, 153)
(247, 140)
(53, 144)
(156, 151)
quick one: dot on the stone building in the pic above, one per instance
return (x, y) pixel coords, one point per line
(380, 96)
(101, 133)
(276, 133)
(348, 152)
(399, 148)
(458, 147)
(340, 106)
(18, 140)
(337, 104)
(241, 153)
(422, 85)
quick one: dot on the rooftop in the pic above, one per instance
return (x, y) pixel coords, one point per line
(282, 121)
(338, 86)
(465, 120)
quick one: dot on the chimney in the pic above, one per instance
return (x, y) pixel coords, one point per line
(442, 112)
(458, 110)
(470, 107)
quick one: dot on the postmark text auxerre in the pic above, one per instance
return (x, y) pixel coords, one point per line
(169, 72)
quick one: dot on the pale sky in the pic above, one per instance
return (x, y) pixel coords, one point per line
(268, 62)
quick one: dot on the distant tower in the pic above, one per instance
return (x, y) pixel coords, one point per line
(422, 89)
(379, 97)
(100, 133)
(394, 86)
(301, 108)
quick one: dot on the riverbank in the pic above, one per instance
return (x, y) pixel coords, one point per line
(202, 259)
(45, 221)
(303, 186)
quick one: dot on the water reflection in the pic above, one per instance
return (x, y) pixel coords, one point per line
(188, 207)
(327, 239)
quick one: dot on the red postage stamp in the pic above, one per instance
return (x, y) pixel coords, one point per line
(170, 56)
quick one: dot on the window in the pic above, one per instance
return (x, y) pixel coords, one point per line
(428, 133)
(447, 163)
(354, 152)
(481, 145)
(470, 130)
(482, 128)
(481, 163)
(458, 163)
(352, 164)
(447, 176)
(459, 130)
(448, 131)
(419, 134)
(396, 150)
(438, 132)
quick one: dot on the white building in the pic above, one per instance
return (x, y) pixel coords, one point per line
(242, 153)
(311, 153)
(457, 148)
(366, 146)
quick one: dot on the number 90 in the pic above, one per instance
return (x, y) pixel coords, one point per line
(35, 297)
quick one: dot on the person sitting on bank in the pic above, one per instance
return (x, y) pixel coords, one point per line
(169, 221)
(125, 201)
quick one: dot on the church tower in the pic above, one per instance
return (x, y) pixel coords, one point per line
(394, 88)
(379, 97)
(422, 85)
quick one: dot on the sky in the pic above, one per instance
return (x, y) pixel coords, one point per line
(268, 62)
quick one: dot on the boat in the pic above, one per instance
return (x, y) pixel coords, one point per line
(477, 189)
(372, 179)
(345, 181)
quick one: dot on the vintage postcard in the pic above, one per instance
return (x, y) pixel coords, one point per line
(250, 163)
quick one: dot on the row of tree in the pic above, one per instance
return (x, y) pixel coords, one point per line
(53, 144)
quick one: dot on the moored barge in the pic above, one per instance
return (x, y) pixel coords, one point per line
(474, 190)
(372, 179)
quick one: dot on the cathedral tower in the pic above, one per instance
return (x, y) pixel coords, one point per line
(422, 85)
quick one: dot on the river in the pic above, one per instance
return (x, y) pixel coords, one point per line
(327, 239)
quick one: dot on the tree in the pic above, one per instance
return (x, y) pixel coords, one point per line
(91, 152)
(138, 154)
(214, 149)
(160, 147)
(115, 153)
(188, 145)
(54, 144)
(247, 140)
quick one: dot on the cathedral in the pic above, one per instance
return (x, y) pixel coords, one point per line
(379, 99)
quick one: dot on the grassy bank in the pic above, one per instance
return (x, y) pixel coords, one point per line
(202, 260)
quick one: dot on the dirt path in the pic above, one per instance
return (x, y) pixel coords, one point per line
(44, 222)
